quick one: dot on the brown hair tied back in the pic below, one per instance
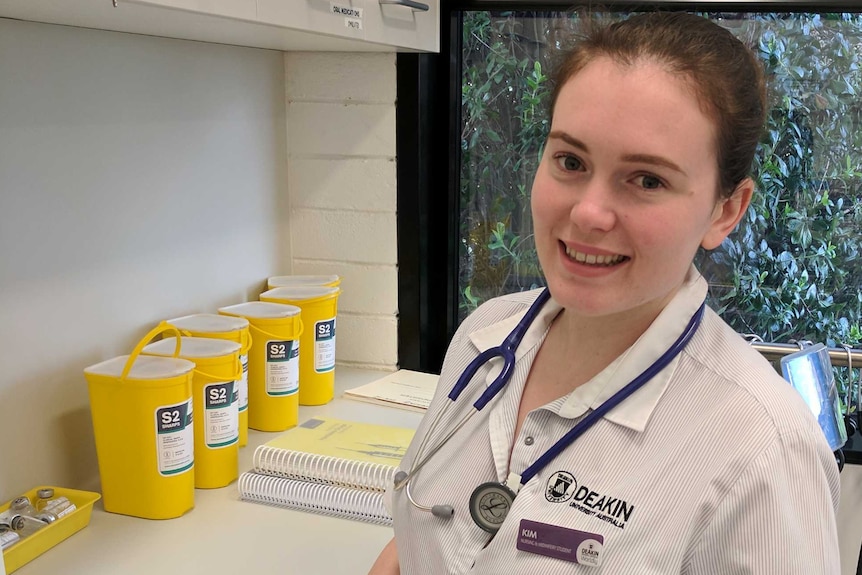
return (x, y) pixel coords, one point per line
(724, 74)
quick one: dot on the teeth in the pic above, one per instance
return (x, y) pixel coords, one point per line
(593, 259)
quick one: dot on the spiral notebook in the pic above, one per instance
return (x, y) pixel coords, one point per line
(328, 466)
(332, 500)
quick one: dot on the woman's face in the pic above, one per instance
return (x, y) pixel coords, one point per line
(626, 190)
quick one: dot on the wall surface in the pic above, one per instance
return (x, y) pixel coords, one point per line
(341, 181)
(140, 179)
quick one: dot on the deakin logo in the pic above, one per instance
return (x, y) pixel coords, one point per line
(561, 486)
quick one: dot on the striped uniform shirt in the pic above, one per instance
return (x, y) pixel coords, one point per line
(715, 466)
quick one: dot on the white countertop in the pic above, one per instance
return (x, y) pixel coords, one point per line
(223, 535)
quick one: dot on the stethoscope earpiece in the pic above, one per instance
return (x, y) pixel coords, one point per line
(442, 511)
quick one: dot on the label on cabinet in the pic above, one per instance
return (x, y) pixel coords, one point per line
(348, 12)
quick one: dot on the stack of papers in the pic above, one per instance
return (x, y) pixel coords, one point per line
(404, 389)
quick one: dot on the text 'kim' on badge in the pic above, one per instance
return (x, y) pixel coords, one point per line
(572, 545)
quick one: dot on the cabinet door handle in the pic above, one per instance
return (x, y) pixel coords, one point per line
(409, 3)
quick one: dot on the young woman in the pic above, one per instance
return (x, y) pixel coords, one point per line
(686, 453)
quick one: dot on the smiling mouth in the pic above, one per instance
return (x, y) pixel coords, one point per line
(595, 260)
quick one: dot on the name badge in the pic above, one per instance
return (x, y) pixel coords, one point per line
(572, 545)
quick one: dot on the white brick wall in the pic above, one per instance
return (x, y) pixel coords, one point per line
(342, 194)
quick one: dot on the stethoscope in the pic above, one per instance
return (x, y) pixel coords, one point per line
(491, 501)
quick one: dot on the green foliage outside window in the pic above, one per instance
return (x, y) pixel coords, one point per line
(793, 269)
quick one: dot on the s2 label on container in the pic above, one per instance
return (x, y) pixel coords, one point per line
(221, 415)
(175, 439)
(324, 345)
(282, 367)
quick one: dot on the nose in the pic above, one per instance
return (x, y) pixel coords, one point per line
(594, 208)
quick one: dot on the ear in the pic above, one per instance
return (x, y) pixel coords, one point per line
(727, 214)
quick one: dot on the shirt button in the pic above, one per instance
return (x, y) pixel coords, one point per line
(528, 440)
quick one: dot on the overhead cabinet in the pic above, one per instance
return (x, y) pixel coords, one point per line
(404, 23)
(241, 9)
(317, 25)
(337, 19)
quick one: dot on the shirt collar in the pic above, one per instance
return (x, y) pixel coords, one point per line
(635, 411)
(494, 334)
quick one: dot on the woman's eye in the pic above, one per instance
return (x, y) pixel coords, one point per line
(650, 182)
(569, 163)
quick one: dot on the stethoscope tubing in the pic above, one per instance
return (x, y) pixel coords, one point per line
(506, 351)
(415, 468)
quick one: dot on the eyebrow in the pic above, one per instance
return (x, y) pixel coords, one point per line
(574, 142)
(634, 158)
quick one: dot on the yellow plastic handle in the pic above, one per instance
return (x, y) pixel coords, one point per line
(278, 337)
(236, 375)
(245, 341)
(158, 330)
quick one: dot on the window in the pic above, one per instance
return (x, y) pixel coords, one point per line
(791, 271)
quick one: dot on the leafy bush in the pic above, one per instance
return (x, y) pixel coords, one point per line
(792, 269)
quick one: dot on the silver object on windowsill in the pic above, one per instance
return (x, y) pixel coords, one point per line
(838, 356)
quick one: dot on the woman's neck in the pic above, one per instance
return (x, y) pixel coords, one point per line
(607, 336)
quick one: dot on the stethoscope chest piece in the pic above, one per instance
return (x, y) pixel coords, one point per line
(490, 504)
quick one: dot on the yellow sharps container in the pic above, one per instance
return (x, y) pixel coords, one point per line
(232, 329)
(273, 363)
(142, 422)
(215, 398)
(319, 306)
